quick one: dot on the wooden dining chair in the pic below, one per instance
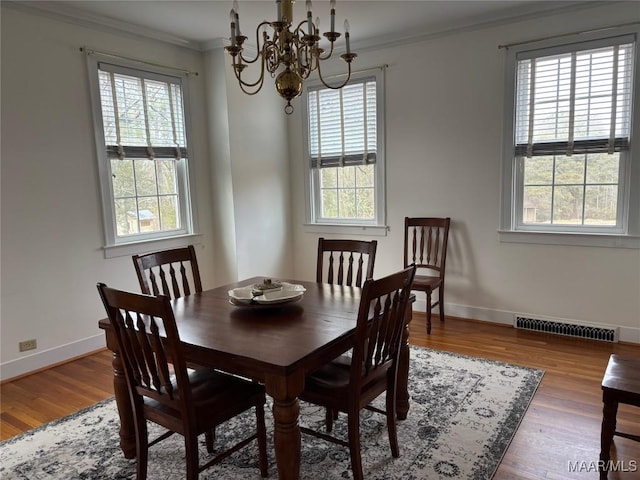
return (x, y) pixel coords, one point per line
(425, 245)
(345, 262)
(620, 384)
(187, 402)
(350, 383)
(173, 273)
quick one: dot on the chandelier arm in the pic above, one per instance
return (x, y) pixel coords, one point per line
(259, 52)
(336, 87)
(297, 30)
(328, 56)
(244, 83)
(244, 89)
(304, 69)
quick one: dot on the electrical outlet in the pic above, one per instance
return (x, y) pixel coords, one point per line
(28, 345)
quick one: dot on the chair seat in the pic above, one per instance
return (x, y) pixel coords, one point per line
(331, 383)
(211, 389)
(334, 375)
(622, 379)
(423, 283)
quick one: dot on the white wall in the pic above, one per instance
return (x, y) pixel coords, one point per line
(52, 235)
(443, 158)
(260, 175)
(444, 100)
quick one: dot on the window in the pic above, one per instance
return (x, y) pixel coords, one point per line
(345, 154)
(141, 137)
(567, 160)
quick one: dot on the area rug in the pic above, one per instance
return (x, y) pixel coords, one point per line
(464, 412)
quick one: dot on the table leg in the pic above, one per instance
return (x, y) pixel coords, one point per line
(286, 430)
(121, 391)
(402, 386)
(609, 412)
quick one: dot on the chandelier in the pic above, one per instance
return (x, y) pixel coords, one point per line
(291, 54)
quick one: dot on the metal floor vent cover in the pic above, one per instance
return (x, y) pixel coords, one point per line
(605, 334)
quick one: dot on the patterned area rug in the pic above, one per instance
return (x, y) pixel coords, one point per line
(464, 413)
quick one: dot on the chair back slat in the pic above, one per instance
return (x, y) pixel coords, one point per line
(352, 259)
(147, 338)
(380, 324)
(173, 273)
(341, 269)
(425, 243)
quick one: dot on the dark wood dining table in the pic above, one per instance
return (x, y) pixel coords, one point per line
(277, 345)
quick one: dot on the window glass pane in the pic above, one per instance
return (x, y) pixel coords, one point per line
(365, 175)
(603, 168)
(347, 203)
(365, 204)
(126, 217)
(328, 177)
(122, 178)
(537, 205)
(567, 205)
(167, 182)
(601, 204)
(346, 177)
(148, 214)
(145, 177)
(569, 169)
(169, 212)
(329, 204)
(538, 170)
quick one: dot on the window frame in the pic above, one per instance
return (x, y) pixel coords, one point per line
(511, 227)
(141, 242)
(377, 226)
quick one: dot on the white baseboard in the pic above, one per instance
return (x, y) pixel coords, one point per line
(627, 334)
(46, 358)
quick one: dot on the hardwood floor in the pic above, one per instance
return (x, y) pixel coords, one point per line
(558, 439)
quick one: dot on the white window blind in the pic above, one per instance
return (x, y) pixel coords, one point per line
(574, 102)
(343, 125)
(142, 115)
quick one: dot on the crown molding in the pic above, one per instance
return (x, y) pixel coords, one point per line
(394, 40)
(75, 16)
(70, 14)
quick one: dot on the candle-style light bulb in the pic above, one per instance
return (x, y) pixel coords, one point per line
(309, 19)
(346, 35)
(279, 9)
(317, 24)
(332, 4)
(237, 12)
(232, 17)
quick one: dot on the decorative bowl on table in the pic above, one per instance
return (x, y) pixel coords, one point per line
(268, 292)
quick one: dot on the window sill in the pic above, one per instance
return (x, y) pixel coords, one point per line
(340, 229)
(136, 248)
(570, 239)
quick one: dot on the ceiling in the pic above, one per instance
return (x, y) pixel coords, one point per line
(201, 24)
